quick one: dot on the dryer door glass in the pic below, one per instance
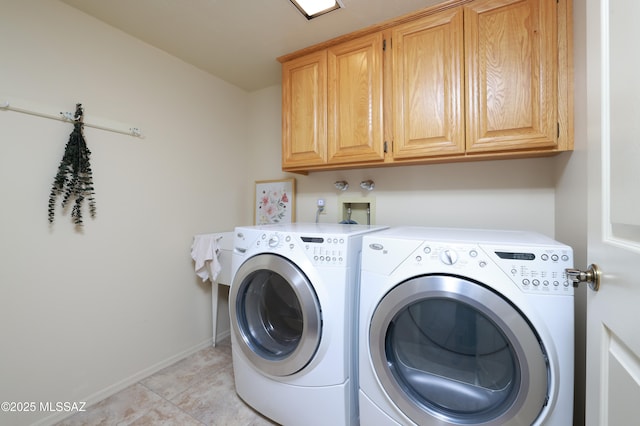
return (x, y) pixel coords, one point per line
(450, 348)
(452, 357)
(275, 314)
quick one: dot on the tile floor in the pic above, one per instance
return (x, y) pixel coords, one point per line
(197, 390)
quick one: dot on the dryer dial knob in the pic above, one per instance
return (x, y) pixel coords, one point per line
(274, 240)
(448, 256)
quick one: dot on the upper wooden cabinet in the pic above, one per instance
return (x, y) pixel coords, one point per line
(512, 74)
(332, 105)
(464, 80)
(304, 111)
(354, 122)
(428, 87)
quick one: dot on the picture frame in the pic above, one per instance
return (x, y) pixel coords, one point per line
(274, 201)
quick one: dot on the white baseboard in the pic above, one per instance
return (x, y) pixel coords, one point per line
(223, 335)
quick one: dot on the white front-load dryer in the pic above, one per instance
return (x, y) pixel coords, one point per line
(465, 327)
(292, 307)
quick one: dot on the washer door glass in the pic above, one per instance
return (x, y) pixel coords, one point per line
(450, 350)
(275, 315)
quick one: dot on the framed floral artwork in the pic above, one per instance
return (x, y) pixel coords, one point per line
(275, 201)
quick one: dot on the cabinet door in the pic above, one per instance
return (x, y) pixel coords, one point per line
(355, 125)
(304, 111)
(511, 70)
(428, 86)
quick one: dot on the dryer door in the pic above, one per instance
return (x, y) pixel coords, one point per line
(450, 351)
(275, 314)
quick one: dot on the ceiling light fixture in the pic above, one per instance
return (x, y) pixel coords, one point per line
(313, 8)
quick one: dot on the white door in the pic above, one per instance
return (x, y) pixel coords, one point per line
(613, 313)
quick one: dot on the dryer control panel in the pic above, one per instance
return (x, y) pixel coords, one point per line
(539, 270)
(533, 262)
(536, 269)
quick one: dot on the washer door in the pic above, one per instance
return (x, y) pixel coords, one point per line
(450, 351)
(275, 315)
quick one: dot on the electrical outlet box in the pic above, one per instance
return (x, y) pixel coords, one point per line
(362, 210)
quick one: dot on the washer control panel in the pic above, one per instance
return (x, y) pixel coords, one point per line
(327, 250)
(532, 269)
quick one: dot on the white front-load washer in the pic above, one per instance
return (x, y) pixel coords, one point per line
(465, 327)
(293, 307)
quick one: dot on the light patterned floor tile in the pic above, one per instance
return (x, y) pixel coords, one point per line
(124, 407)
(196, 391)
(183, 374)
(214, 402)
(166, 414)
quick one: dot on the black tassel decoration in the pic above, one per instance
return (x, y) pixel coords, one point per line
(74, 177)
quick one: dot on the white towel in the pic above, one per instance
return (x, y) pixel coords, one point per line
(205, 253)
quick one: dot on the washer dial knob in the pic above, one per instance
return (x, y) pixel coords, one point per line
(448, 256)
(274, 240)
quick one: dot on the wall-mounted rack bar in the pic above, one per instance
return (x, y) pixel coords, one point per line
(68, 117)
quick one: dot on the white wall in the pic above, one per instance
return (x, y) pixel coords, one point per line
(571, 200)
(85, 313)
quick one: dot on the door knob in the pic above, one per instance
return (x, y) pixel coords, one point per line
(591, 276)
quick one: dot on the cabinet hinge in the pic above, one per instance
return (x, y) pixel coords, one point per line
(384, 45)
(385, 147)
(558, 129)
